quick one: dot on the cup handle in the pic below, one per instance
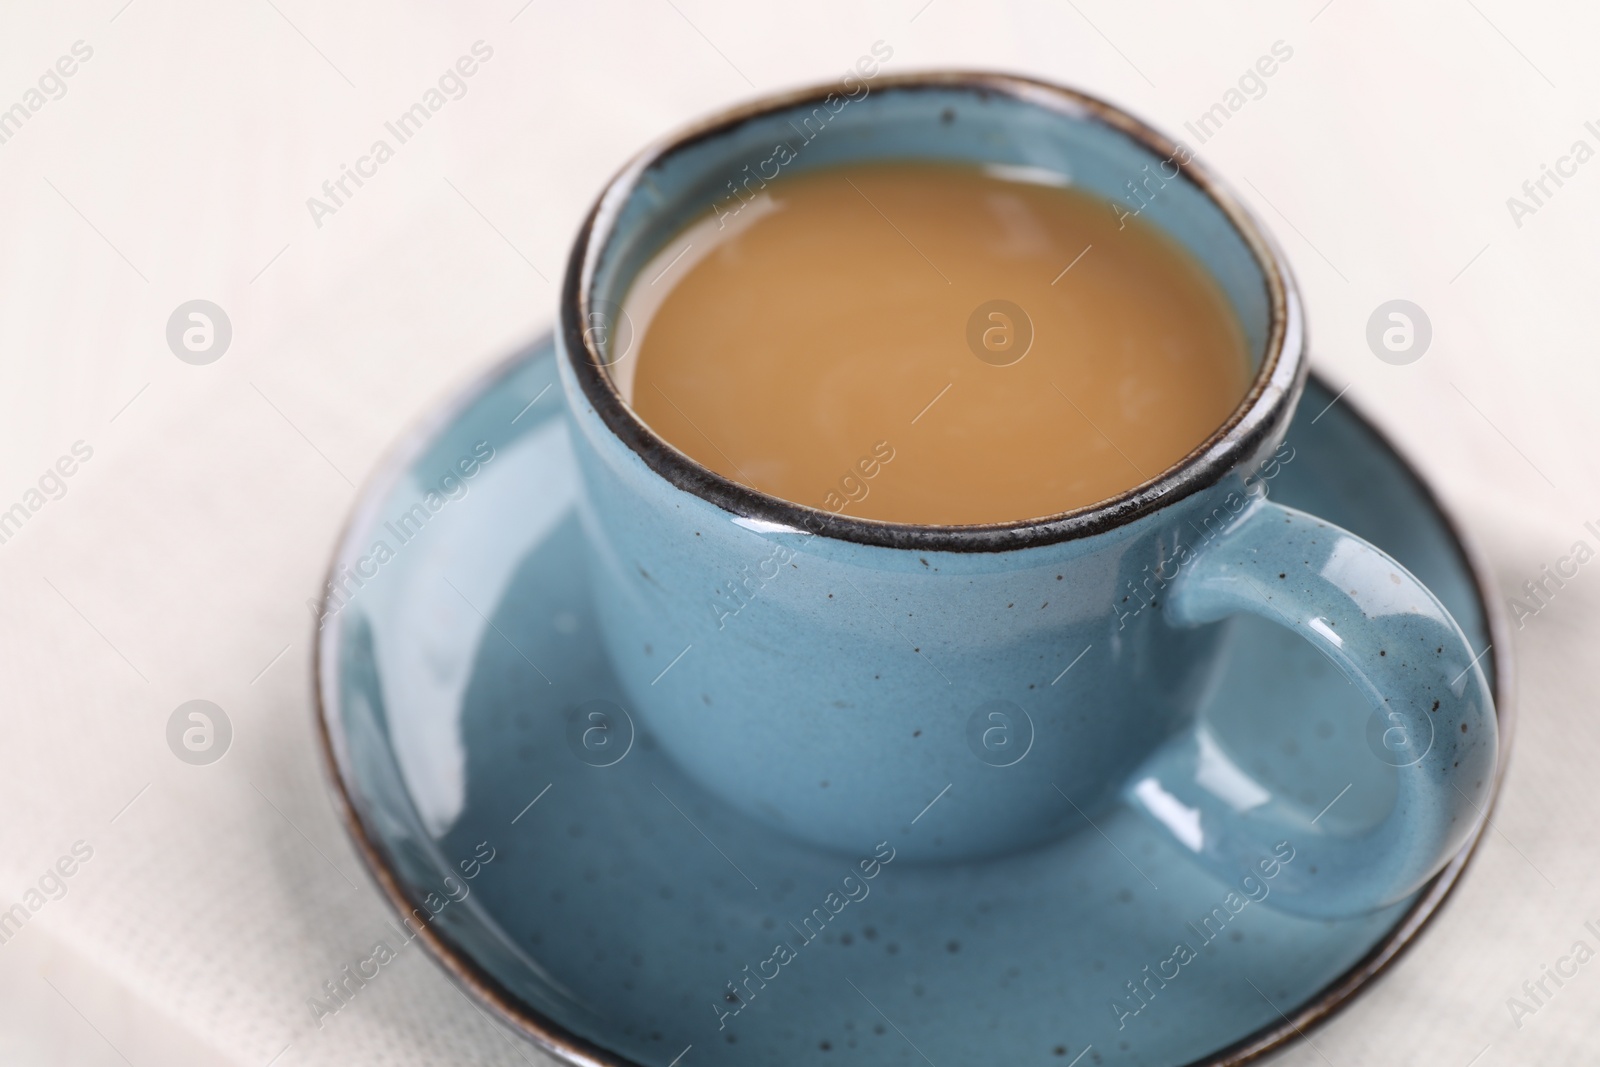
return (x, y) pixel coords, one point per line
(1400, 648)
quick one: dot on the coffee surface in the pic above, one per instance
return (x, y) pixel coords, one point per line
(932, 344)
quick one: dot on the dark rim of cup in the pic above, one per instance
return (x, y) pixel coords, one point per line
(1259, 416)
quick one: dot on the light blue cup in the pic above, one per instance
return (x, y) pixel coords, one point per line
(835, 676)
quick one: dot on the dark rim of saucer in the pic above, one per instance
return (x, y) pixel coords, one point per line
(568, 1047)
(1263, 411)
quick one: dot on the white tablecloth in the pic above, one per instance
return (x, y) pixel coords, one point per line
(175, 163)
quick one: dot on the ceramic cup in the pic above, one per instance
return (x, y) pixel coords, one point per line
(967, 691)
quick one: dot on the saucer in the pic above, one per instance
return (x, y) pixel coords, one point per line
(580, 886)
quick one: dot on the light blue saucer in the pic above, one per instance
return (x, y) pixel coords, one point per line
(580, 886)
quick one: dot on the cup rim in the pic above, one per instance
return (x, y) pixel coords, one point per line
(1260, 415)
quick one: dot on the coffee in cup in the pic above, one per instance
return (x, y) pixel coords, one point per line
(928, 342)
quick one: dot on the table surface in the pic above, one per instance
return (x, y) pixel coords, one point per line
(176, 162)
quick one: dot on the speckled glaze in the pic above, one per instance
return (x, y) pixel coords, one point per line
(1433, 716)
(621, 900)
(833, 676)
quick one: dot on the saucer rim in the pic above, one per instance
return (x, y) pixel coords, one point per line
(484, 989)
